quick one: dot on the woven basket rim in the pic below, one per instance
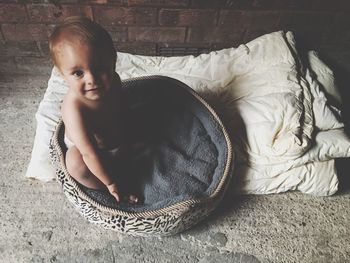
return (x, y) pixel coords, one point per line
(180, 206)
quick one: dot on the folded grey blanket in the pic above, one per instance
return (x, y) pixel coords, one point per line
(185, 150)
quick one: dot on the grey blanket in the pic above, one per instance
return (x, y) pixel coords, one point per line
(185, 150)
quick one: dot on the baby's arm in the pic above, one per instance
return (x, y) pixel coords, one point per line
(77, 127)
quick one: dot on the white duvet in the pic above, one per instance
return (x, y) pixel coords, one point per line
(285, 132)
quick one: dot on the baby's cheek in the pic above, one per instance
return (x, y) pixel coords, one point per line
(72, 82)
(68, 81)
(108, 78)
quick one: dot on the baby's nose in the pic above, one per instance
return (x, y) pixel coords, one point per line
(91, 79)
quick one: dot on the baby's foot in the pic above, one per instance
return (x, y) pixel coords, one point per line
(132, 199)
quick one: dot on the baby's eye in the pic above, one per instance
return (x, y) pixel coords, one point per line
(78, 73)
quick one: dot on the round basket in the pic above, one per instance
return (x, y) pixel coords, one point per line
(183, 175)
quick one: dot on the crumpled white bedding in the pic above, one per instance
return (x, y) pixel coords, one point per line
(285, 132)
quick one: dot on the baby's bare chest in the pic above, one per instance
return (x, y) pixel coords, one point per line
(107, 128)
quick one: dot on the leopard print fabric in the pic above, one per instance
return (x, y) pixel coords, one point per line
(165, 224)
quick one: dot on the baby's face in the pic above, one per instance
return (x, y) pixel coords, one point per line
(89, 72)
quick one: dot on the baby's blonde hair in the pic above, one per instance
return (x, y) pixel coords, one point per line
(85, 30)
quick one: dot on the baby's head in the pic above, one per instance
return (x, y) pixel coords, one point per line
(83, 30)
(84, 54)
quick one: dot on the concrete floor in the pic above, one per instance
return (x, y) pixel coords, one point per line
(39, 225)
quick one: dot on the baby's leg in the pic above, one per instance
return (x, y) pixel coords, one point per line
(120, 169)
(79, 171)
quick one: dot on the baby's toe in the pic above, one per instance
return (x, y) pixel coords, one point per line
(133, 199)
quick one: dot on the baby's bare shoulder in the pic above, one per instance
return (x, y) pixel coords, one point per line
(71, 108)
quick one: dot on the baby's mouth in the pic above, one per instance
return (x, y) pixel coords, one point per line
(93, 89)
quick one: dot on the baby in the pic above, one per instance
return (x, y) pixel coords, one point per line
(92, 109)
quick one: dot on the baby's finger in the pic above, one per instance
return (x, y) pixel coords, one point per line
(116, 196)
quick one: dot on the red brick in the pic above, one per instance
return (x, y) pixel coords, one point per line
(117, 2)
(238, 4)
(184, 49)
(215, 35)
(84, 2)
(148, 49)
(207, 3)
(118, 33)
(255, 20)
(249, 19)
(254, 33)
(55, 2)
(326, 5)
(49, 13)
(157, 34)
(11, 48)
(293, 4)
(97, 1)
(230, 17)
(159, 2)
(219, 46)
(2, 39)
(12, 13)
(301, 20)
(26, 32)
(109, 15)
(87, 2)
(187, 17)
(250, 4)
(263, 4)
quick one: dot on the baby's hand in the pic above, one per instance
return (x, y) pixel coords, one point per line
(113, 189)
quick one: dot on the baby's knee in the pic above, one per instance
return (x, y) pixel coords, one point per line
(75, 164)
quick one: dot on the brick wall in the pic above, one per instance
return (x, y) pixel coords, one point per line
(151, 26)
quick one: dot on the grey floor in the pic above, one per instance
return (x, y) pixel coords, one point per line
(39, 225)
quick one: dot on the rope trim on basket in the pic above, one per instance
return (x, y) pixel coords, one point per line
(181, 206)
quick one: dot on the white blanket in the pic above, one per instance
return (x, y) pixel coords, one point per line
(285, 133)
